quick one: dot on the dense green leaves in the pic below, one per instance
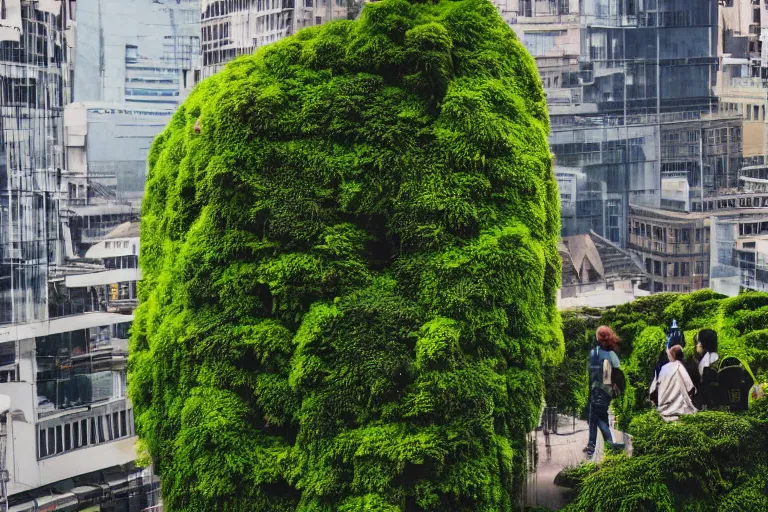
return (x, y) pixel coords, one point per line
(350, 272)
(708, 462)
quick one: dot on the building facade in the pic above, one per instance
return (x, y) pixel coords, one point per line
(674, 248)
(135, 62)
(617, 74)
(68, 274)
(231, 28)
(34, 88)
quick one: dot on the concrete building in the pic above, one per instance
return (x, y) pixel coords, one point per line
(721, 247)
(237, 27)
(743, 85)
(70, 434)
(673, 246)
(136, 61)
(67, 278)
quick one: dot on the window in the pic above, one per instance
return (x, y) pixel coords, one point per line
(699, 268)
(59, 443)
(42, 443)
(131, 54)
(684, 269)
(756, 110)
(318, 20)
(539, 43)
(657, 268)
(123, 424)
(84, 432)
(51, 441)
(67, 437)
(116, 425)
(686, 235)
(76, 434)
(93, 431)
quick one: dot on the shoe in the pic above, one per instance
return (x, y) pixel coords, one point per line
(587, 449)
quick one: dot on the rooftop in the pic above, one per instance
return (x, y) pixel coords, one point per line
(125, 230)
(609, 261)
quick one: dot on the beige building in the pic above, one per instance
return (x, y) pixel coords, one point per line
(674, 248)
(743, 71)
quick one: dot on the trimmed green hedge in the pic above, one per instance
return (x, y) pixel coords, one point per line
(707, 462)
(711, 461)
(350, 272)
(641, 325)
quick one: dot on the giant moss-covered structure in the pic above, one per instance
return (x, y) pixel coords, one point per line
(350, 271)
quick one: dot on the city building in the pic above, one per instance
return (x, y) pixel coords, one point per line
(743, 82)
(620, 76)
(34, 81)
(135, 62)
(238, 27)
(68, 273)
(673, 246)
(721, 247)
(70, 430)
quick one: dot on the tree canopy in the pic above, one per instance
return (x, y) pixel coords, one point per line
(350, 268)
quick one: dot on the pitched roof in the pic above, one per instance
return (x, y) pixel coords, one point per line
(606, 258)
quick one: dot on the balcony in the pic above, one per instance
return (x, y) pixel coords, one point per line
(749, 83)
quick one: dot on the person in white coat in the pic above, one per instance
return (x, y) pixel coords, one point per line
(674, 387)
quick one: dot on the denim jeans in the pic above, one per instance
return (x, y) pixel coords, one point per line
(598, 418)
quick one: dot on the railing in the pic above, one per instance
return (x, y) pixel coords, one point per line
(613, 120)
(749, 83)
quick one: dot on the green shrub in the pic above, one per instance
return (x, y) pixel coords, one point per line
(709, 461)
(350, 272)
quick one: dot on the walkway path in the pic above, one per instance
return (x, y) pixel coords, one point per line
(565, 449)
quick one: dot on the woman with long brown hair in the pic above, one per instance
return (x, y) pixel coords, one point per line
(601, 359)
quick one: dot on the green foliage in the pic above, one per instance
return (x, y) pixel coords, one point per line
(710, 461)
(350, 272)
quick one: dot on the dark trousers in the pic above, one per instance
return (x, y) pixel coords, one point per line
(598, 417)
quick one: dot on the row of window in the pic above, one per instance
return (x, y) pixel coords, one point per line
(81, 433)
(748, 111)
(674, 269)
(674, 236)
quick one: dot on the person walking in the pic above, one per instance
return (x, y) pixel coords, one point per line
(602, 359)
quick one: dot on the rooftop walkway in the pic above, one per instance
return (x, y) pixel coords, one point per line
(559, 445)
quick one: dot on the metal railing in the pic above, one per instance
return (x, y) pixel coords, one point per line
(614, 120)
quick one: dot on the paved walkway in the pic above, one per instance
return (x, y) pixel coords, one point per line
(565, 449)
